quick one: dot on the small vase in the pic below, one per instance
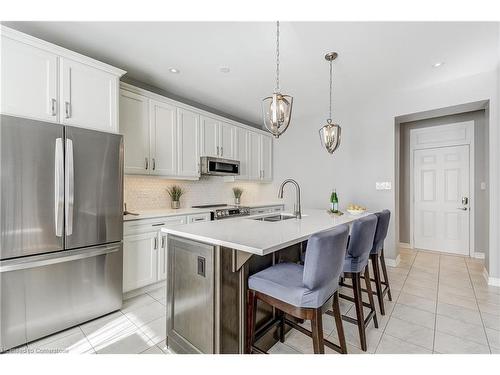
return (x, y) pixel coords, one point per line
(237, 201)
(175, 204)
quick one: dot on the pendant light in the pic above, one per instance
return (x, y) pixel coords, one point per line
(330, 132)
(277, 109)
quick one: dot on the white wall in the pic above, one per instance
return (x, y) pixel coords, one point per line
(367, 152)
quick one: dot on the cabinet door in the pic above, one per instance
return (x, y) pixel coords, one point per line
(29, 81)
(89, 96)
(266, 160)
(134, 125)
(188, 134)
(226, 140)
(209, 137)
(163, 139)
(241, 152)
(254, 170)
(140, 260)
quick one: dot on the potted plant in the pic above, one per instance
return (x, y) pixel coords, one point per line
(175, 192)
(237, 195)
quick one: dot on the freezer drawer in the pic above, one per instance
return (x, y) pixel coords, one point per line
(41, 295)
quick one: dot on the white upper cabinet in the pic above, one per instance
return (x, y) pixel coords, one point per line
(241, 151)
(254, 170)
(209, 137)
(226, 140)
(188, 135)
(88, 96)
(29, 81)
(266, 158)
(163, 139)
(46, 82)
(134, 125)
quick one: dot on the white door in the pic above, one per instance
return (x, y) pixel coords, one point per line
(226, 140)
(209, 137)
(163, 139)
(254, 171)
(140, 260)
(241, 152)
(29, 81)
(88, 96)
(267, 158)
(134, 125)
(188, 134)
(441, 184)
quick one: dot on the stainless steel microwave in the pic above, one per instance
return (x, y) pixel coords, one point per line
(219, 167)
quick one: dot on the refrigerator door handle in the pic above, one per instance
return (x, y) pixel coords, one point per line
(54, 258)
(59, 187)
(69, 188)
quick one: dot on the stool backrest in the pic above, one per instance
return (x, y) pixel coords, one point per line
(381, 232)
(325, 256)
(361, 241)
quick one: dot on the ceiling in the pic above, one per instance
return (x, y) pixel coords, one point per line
(373, 57)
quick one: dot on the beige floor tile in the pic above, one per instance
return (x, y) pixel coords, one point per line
(459, 313)
(75, 343)
(420, 291)
(136, 302)
(147, 313)
(413, 315)
(153, 350)
(102, 330)
(448, 344)
(460, 292)
(127, 342)
(156, 330)
(489, 308)
(409, 332)
(417, 302)
(280, 348)
(422, 283)
(467, 331)
(491, 321)
(453, 299)
(302, 343)
(159, 293)
(392, 345)
(351, 333)
(493, 338)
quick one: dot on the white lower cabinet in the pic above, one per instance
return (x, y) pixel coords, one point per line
(145, 250)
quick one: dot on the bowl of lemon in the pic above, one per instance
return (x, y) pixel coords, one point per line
(355, 209)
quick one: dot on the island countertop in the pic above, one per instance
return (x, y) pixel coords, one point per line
(260, 237)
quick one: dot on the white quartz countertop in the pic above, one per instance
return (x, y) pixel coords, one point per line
(151, 214)
(260, 237)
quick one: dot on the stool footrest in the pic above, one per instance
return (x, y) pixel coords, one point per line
(306, 332)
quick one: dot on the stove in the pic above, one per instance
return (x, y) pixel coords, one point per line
(225, 211)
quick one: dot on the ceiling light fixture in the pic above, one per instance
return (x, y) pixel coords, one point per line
(330, 133)
(277, 109)
(174, 70)
(437, 64)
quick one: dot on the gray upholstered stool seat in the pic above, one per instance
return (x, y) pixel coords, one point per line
(284, 281)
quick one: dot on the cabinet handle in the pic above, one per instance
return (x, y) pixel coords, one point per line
(217, 150)
(221, 151)
(154, 164)
(156, 243)
(199, 219)
(68, 109)
(53, 110)
(147, 163)
(163, 242)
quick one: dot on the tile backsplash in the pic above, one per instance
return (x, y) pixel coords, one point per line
(145, 193)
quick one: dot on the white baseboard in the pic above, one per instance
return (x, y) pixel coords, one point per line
(478, 255)
(393, 262)
(493, 281)
(405, 245)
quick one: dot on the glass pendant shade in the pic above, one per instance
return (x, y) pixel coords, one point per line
(276, 112)
(330, 136)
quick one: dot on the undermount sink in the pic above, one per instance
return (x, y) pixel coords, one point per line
(278, 217)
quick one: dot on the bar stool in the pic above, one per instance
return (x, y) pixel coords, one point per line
(356, 262)
(303, 291)
(376, 255)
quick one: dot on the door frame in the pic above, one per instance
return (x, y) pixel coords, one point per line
(455, 134)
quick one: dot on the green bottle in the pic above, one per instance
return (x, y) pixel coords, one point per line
(334, 201)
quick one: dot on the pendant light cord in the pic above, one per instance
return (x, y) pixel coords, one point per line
(277, 56)
(330, 110)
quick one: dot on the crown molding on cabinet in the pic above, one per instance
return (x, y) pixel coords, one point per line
(61, 51)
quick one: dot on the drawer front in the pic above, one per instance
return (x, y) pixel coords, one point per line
(198, 218)
(146, 225)
(266, 210)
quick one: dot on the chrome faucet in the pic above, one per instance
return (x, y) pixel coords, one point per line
(297, 211)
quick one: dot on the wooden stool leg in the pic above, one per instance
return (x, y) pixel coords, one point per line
(378, 282)
(317, 332)
(384, 270)
(358, 304)
(338, 322)
(251, 312)
(370, 295)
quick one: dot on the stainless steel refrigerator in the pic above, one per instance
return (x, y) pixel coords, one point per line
(61, 225)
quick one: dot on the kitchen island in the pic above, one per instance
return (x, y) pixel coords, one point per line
(208, 268)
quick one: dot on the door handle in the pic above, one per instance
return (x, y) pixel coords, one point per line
(154, 164)
(67, 106)
(53, 110)
(462, 208)
(147, 163)
(59, 187)
(465, 201)
(201, 266)
(69, 187)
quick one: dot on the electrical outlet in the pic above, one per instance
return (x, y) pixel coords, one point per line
(386, 185)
